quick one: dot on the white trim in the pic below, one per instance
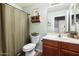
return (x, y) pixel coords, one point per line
(58, 6)
(51, 6)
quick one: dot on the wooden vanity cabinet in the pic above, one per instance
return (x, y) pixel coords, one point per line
(50, 48)
(56, 48)
(49, 51)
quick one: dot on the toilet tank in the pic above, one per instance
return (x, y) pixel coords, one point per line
(35, 39)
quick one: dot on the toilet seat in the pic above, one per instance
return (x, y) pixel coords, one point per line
(29, 47)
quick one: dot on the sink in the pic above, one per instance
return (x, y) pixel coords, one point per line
(56, 36)
(61, 39)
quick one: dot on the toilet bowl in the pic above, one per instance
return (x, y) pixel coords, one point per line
(29, 49)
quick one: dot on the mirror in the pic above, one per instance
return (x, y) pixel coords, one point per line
(57, 18)
(74, 17)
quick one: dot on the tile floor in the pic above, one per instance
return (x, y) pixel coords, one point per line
(37, 54)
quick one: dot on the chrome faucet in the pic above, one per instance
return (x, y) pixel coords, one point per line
(59, 35)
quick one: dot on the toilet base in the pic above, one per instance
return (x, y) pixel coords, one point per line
(30, 53)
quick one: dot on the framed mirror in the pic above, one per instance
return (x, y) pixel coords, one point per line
(57, 18)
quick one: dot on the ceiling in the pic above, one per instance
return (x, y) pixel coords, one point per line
(52, 6)
(58, 7)
(25, 5)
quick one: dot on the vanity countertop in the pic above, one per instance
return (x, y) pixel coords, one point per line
(62, 39)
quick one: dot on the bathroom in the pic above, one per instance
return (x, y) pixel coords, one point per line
(49, 23)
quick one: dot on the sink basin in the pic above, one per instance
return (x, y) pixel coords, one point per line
(56, 36)
(61, 39)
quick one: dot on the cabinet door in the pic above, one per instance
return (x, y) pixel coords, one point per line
(69, 46)
(50, 51)
(68, 53)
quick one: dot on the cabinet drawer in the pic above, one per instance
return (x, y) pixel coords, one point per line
(50, 42)
(70, 46)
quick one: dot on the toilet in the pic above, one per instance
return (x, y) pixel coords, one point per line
(29, 49)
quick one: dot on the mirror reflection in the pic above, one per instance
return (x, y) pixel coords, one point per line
(63, 18)
(58, 17)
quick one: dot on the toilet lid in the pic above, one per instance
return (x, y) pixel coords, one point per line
(29, 46)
